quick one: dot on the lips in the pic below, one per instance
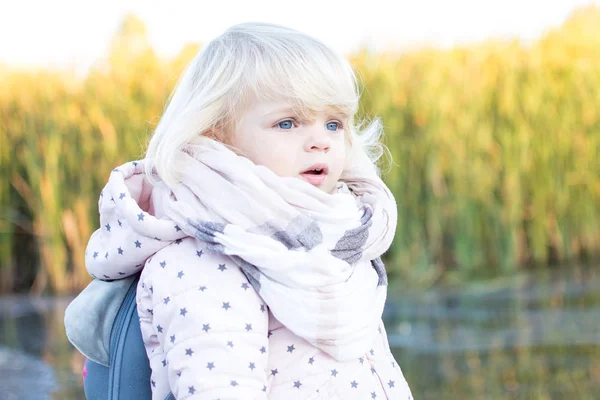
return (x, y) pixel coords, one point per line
(317, 167)
(315, 174)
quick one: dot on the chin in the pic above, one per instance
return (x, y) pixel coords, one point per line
(328, 188)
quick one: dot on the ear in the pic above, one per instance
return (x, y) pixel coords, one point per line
(218, 133)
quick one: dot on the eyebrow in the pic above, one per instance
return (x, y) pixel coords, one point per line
(281, 110)
(291, 110)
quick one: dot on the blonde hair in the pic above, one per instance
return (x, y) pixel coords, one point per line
(253, 62)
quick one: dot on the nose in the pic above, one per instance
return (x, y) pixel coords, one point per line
(317, 140)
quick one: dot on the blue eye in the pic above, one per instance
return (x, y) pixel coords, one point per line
(287, 124)
(333, 126)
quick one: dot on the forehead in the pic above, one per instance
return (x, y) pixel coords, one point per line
(266, 107)
(302, 90)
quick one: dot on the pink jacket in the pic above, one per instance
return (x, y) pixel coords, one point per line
(207, 333)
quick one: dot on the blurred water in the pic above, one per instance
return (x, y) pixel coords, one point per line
(534, 336)
(36, 359)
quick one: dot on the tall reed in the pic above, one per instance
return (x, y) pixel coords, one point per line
(495, 148)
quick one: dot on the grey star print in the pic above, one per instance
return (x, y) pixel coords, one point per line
(201, 316)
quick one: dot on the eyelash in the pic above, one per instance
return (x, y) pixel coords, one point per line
(293, 121)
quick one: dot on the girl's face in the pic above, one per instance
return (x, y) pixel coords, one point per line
(272, 135)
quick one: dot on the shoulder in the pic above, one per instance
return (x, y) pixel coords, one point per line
(187, 264)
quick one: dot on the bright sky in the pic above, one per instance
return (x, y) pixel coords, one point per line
(63, 33)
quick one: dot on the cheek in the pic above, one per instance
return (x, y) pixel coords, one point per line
(341, 159)
(279, 158)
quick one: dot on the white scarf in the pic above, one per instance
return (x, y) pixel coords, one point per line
(313, 257)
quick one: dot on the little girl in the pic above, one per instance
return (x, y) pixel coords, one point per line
(258, 222)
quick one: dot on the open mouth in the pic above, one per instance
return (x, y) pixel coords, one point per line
(315, 174)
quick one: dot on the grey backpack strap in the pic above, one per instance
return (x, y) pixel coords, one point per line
(89, 318)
